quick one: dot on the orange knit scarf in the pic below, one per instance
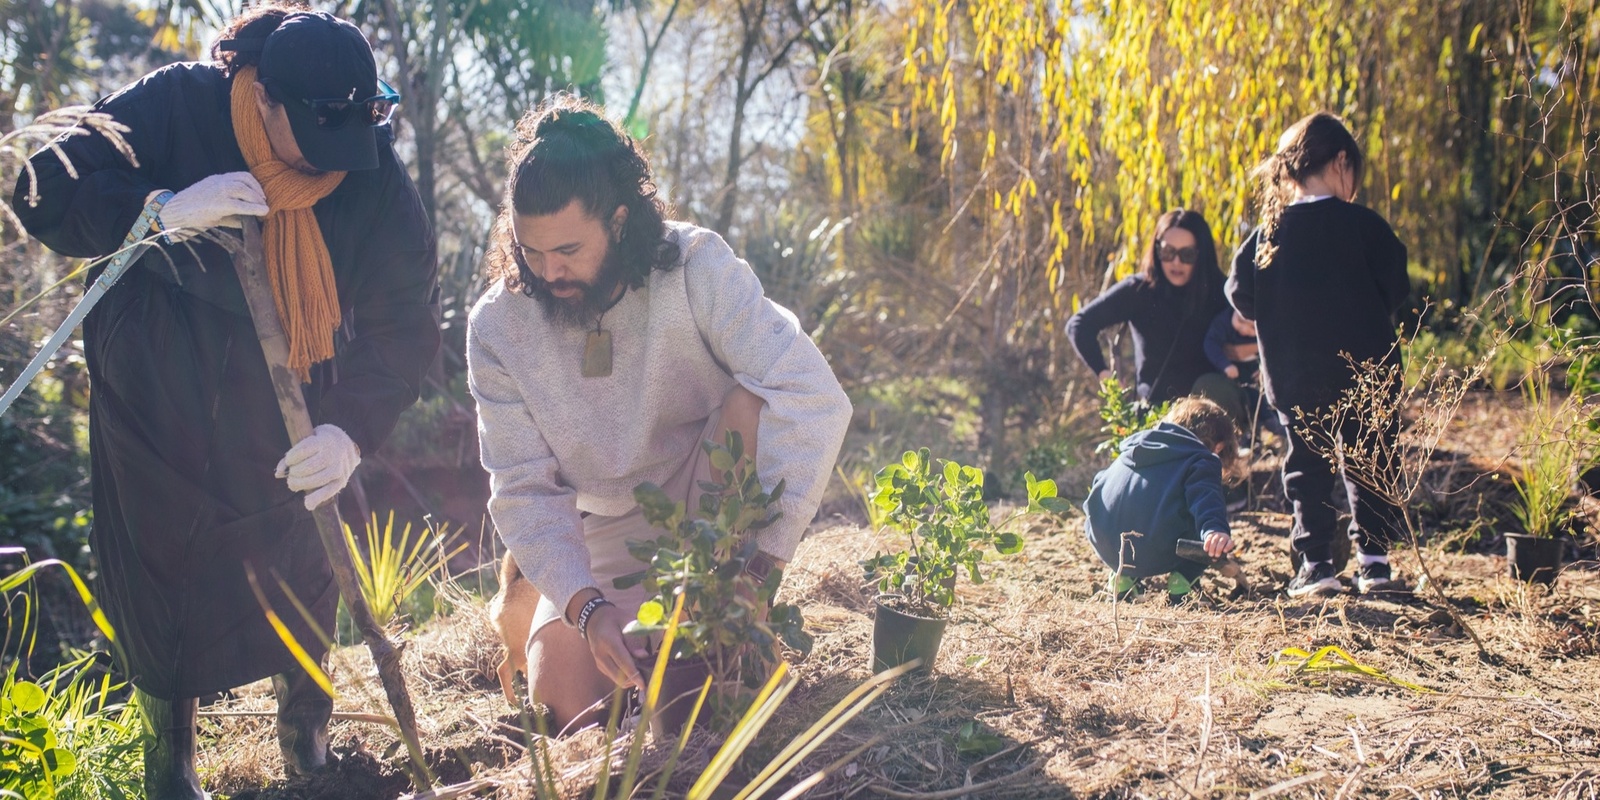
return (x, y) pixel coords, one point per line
(297, 257)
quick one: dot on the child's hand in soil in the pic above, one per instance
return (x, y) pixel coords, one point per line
(1218, 544)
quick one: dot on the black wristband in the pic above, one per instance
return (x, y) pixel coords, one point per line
(588, 611)
(760, 565)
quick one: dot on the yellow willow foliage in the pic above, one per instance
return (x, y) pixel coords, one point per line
(1132, 107)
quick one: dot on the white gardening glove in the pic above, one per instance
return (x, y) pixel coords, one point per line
(214, 202)
(320, 465)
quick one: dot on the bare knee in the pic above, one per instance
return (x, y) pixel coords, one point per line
(562, 675)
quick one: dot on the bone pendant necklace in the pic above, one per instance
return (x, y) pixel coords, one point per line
(597, 346)
(597, 354)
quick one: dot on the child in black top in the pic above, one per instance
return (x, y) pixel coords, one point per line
(1229, 328)
(1231, 347)
(1322, 277)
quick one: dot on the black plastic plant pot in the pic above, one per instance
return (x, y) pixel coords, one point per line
(899, 637)
(680, 690)
(1533, 559)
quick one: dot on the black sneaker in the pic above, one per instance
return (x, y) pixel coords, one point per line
(1315, 577)
(1373, 577)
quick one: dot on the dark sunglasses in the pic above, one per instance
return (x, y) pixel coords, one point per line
(1188, 255)
(335, 113)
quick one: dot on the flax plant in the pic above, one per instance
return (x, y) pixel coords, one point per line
(64, 735)
(393, 565)
(1551, 445)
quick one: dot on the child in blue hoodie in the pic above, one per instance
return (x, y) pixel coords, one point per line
(1165, 485)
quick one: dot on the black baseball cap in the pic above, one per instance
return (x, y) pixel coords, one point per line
(313, 55)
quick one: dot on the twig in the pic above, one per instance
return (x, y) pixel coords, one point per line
(1282, 788)
(1349, 783)
(1205, 727)
(950, 794)
(1361, 755)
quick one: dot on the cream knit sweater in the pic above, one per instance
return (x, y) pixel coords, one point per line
(556, 443)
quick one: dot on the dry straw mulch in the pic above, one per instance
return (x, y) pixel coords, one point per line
(1064, 694)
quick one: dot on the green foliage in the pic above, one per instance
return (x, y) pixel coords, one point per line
(702, 560)
(546, 780)
(1124, 416)
(392, 567)
(65, 736)
(973, 740)
(1049, 457)
(1556, 440)
(940, 508)
(1504, 360)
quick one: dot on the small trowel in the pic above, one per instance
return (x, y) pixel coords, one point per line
(1226, 566)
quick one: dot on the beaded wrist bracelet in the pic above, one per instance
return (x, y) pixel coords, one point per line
(588, 611)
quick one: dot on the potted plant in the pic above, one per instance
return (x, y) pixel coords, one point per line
(939, 507)
(1543, 485)
(1553, 446)
(729, 628)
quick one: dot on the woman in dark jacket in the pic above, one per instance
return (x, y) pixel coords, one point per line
(1169, 303)
(184, 428)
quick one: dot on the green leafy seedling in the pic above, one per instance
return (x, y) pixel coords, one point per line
(938, 505)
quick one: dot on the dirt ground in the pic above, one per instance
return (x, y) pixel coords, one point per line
(1064, 694)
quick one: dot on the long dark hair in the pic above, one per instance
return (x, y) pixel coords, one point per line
(1207, 274)
(257, 22)
(1308, 146)
(568, 150)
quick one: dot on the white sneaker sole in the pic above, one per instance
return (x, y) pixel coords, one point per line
(1324, 586)
(1368, 587)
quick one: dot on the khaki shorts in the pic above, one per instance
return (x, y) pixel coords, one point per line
(607, 537)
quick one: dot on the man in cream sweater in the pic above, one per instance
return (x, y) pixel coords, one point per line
(609, 344)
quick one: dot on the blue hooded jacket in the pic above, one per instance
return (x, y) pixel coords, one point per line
(1166, 485)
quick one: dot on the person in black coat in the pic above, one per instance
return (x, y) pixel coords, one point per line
(1168, 304)
(1323, 279)
(185, 433)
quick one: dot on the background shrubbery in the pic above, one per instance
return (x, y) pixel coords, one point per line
(930, 186)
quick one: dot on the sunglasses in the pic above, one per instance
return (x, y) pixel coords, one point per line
(1188, 255)
(335, 113)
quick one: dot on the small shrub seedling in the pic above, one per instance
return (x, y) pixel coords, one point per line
(939, 507)
(1124, 417)
(704, 559)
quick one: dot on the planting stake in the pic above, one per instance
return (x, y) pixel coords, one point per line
(297, 420)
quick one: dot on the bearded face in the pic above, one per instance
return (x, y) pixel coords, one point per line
(570, 261)
(574, 303)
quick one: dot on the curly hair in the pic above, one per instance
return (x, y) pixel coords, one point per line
(568, 150)
(1207, 274)
(1309, 145)
(257, 22)
(1212, 426)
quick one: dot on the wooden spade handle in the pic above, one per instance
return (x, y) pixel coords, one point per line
(297, 420)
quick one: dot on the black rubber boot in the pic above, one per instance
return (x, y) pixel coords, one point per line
(303, 714)
(169, 748)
